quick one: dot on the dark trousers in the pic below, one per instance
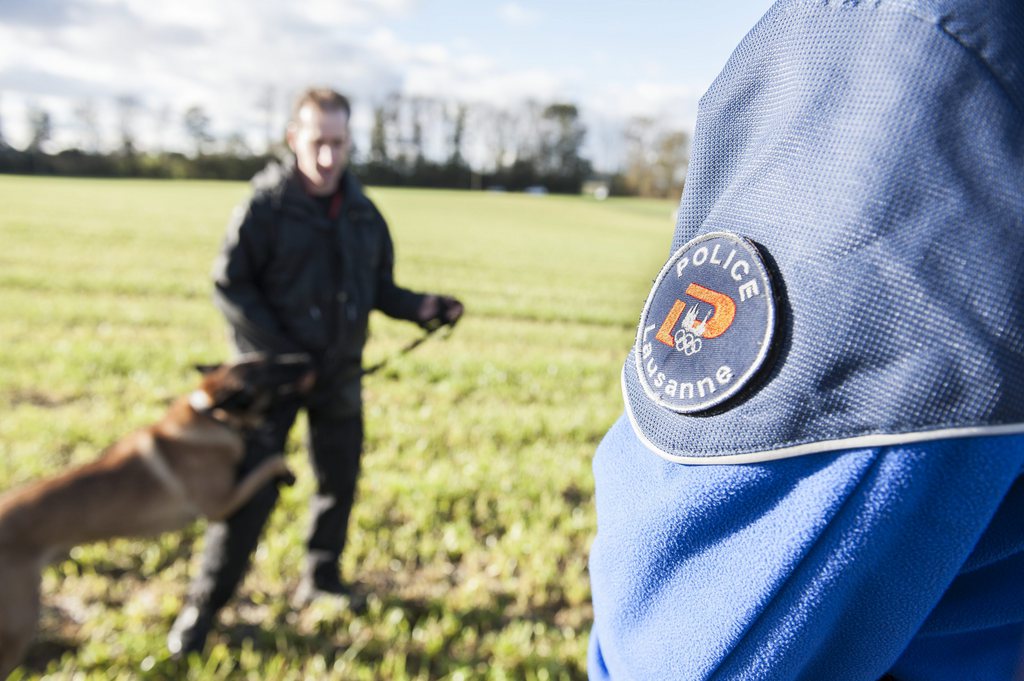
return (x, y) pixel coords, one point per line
(335, 444)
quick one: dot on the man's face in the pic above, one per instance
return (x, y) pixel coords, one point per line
(321, 142)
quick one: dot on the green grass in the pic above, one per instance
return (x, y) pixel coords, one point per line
(475, 513)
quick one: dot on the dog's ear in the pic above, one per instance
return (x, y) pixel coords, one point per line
(205, 369)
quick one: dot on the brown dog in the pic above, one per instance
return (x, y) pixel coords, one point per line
(157, 479)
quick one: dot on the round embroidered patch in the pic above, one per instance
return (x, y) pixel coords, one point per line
(707, 325)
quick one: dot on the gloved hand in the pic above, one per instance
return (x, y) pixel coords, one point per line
(437, 311)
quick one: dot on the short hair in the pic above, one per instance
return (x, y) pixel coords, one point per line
(323, 98)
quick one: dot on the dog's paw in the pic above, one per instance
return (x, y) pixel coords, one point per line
(287, 479)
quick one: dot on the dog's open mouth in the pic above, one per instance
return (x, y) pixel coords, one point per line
(242, 392)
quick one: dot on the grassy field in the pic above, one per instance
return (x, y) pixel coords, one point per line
(475, 511)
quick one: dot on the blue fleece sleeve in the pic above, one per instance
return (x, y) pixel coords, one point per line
(827, 566)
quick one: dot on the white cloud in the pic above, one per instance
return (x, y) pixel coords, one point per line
(660, 100)
(516, 14)
(222, 56)
(227, 56)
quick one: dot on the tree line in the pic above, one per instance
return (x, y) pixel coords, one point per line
(413, 141)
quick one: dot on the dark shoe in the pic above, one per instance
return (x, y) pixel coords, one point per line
(314, 586)
(312, 589)
(189, 631)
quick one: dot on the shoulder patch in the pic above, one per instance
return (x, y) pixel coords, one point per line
(707, 325)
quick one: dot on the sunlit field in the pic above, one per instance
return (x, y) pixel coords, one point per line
(475, 511)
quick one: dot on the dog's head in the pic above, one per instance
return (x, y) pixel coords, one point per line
(241, 392)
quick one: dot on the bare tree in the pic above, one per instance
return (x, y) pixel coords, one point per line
(656, 159)
(161, 123)
(266, 102)
(493, 131)
(639, 136)
(526, 138)
(379, 136)
(395, 143)
(88, 125)
(237, 146)
(197, 125)
(416, 107)
(40, 126)
(406, 116)
(127, 110)
(3, 142)
(458, 134)
(672, 158)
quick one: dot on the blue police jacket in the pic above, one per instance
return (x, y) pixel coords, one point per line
(818, 474)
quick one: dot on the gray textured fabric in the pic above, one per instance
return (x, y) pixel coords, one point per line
(883, 179)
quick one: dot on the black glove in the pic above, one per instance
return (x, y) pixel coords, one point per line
(438, 311)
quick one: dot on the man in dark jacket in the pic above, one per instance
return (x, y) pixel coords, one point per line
(305, 260)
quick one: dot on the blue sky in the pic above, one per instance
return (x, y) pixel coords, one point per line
(613, 59)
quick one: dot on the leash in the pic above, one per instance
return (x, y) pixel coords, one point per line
(430, 331)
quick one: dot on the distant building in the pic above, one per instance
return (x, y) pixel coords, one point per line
(599, 189)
